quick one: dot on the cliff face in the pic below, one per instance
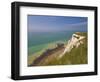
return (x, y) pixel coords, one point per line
(75, 41)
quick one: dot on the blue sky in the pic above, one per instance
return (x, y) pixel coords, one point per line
(40, 23)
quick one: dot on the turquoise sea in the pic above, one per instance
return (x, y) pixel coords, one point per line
(39, 40)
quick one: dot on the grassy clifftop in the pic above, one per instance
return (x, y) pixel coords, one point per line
(75, 56)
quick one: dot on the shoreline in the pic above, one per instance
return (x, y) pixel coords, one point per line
(47, 45)
(51, 45)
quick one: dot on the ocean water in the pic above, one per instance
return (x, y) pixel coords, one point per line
(38, 40)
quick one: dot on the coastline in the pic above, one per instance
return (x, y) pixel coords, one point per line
(56, 51)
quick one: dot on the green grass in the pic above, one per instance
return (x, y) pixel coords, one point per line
(76, 56)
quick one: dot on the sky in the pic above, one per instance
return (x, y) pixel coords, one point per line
(40, 23)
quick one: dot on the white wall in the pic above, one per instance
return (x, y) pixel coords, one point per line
(5, 40)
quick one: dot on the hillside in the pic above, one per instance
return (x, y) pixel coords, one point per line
(74, 52)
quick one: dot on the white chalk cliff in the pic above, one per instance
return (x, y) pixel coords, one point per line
(75, 41)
